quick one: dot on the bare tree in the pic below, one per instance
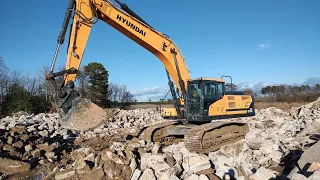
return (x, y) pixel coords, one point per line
(44, 87)
(126, 96)
(82, 82)
(113, 92)
(248, 91)
(231, 87)
(4, 81)
(4, 78)
(30, 84)
(120, 95)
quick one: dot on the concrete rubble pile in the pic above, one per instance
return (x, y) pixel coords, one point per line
(279, 144)
(32, 140)
(274, 143)
(125, 120)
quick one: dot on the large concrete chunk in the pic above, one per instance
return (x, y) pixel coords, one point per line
(113, 170)
(157, 163)
(136, 174)
(173, 177)
(310, 155)
(65, 174)
(263, 174)
(315, 176)
(192, 177)
(147, 175)
(196, 163)
(10, 166)
(95, 174)
(144, 160)
(203, 177)
(164, 176)
(314, 167)
(297, 176)
(175, 170)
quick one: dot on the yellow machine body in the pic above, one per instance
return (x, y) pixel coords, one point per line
(231, 105)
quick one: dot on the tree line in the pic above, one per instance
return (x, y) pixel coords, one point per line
(286, 93)
(21, 91)
(282, 93)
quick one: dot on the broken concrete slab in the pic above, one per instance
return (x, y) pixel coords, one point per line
(309, 156)
(44, 133)
(314, 167)
(144, 160)
(315, 176)
(192, 177)
(169, 159)
(65, 174)
(297, 176)
(148, 175)
(18, 144)
(36, 153)
(157, 163)
(136, 174)
(46, 147)
(203, 177)
(96, 174)
(262, 174)
(196, 163)
(9, 166)
(164, 176)
(133, 164)
(175, 170)
(173, 177)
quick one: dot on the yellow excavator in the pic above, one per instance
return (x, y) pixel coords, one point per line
(197, 102)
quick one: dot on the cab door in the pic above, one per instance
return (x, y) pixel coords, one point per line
(194, 101)
(210, 95)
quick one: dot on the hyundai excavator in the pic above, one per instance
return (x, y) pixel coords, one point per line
(200, 104)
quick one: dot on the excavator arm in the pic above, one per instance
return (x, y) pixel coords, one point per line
(85, 14)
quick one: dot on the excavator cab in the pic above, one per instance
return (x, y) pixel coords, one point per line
(206, 100)
(201, 93)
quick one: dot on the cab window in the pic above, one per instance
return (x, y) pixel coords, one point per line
(195, 90)
(210, 91)
(220, 89)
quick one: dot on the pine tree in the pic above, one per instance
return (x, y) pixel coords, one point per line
(97, 83)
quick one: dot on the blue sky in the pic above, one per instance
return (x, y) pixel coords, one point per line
(274, 41)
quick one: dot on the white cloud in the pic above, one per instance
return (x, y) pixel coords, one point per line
(253, 86)
(154, 93)
(312, 81)
(264, 46)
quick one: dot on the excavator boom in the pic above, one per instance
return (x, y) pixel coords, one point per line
(134, 27)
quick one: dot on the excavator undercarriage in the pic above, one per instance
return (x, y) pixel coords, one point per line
(203, 138)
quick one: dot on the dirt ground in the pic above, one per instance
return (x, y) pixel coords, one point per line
(258, 105)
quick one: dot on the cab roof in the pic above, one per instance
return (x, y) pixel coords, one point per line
(208, 79)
